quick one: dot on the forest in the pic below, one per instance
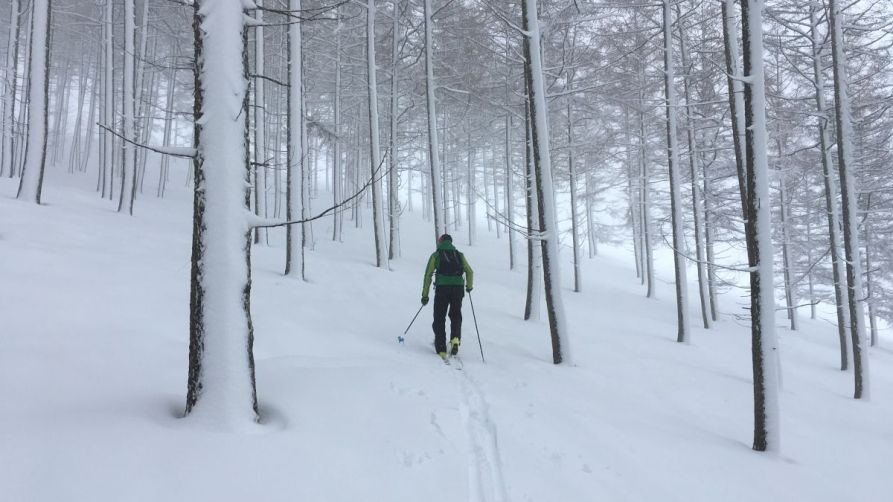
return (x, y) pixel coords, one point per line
(734, 154)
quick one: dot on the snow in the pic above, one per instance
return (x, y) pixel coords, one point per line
(93, 361)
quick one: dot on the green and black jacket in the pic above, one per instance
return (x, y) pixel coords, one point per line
(446, 280)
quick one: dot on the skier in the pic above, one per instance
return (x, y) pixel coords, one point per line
(449, 264)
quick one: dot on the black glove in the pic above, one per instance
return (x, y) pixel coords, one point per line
(468, 289)
(424, 300)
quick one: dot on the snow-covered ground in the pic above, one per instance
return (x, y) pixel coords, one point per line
(93, 366)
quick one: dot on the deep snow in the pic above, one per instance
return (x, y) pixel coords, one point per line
(93, 365)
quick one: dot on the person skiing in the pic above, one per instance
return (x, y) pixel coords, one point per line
(449, 264)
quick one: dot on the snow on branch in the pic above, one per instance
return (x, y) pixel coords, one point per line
(255, 221)
(186, 152)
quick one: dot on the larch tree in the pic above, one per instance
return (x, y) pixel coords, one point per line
(682, 327)
(760, 250)
(295, 190)
(542, 165)
(8, 129)
(221, 388)
(127, 191)
(849, 201)
(433, 144)
(381, 256)
(31, 183)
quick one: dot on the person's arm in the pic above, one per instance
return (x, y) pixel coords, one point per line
(429, 271)
(469, 274)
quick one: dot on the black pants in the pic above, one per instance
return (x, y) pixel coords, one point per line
(447, 298)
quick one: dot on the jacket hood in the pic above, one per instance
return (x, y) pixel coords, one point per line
(445, 245)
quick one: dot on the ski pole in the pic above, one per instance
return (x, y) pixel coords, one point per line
(400, 339)
(476, 327)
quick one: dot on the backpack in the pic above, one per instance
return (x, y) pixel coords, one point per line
(449, 263)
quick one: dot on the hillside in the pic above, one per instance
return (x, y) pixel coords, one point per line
(93, 361)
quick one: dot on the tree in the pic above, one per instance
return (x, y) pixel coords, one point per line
(128, 180)
(221, 386)
(675, 181)
(31, 184)
(542, 164)
(381, 256)
(295, 237)
(9, 93)
(760, 250)
(845, 166)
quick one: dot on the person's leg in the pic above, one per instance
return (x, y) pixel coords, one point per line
(456, 294)
(441, 303)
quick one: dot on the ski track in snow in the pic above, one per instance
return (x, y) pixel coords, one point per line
(485, 481)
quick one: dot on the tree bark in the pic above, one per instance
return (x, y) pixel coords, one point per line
(849, 202)
(759, 236)
(221, 387)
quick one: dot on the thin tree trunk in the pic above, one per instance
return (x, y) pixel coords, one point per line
(572, 173)
(164, 168)
(694, 171)
(7, 164)
(841, 294)
(260, 132)
(849, 202)
(534, 250)
(338, 214)
(393, 177)
(675, 180)
(472, 198)
(433, 146)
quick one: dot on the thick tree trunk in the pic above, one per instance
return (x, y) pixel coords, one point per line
(128, 178)
(542, 162)
(759, 236)
(221, 388)
(31, 184)
(294, 189)
(381, 256)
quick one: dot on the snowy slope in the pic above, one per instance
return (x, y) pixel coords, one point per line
(93, 364)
